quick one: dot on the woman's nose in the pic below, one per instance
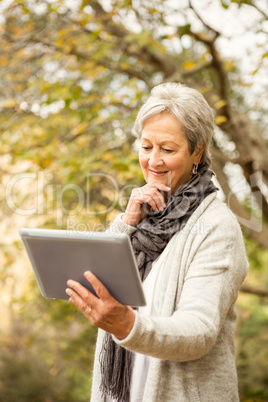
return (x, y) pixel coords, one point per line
(155, 159)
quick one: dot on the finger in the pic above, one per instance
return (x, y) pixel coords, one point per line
(82, 292)
(159, 186)
(151, 202)
(101, 291)
(148, 194)
(159, 199)
(80, 303)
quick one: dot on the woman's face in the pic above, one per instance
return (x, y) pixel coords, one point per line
(164, 156)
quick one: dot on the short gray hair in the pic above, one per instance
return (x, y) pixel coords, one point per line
(189, 107)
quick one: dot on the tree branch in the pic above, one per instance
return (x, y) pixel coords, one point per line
(217, 65)
(209, 28)
(237, 126)
(256, 230)
(144, 53)
(254, 291)
(250, 3)
(197, 70)
(217, 154)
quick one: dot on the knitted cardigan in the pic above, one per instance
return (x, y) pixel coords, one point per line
(192, 342)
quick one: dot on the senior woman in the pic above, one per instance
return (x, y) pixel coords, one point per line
(190, 253)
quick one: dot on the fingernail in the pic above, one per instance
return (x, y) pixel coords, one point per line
(70, 283)
(169, 188)
(68, 291)
(88, 274)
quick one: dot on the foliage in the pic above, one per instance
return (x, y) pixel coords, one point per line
(74, 75)
(49, 356)
(252, 330)
(252, 348)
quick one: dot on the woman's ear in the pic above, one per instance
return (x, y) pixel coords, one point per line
(198, 154)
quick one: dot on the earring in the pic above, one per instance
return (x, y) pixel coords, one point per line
(194, 169)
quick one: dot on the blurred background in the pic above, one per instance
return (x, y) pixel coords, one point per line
(73, 75)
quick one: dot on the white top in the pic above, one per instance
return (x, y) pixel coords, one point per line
(141, 362)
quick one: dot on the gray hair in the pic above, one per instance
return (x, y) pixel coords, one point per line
(189, 107)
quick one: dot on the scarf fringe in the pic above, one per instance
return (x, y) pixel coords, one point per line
(115, 375)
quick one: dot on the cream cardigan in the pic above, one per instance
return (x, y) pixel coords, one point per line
(192, 343)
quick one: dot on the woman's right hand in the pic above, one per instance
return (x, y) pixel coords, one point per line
(142, 199)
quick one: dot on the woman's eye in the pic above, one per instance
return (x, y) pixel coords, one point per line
(146, 148)
(168, 151)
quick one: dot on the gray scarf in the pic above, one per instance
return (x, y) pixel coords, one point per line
(151, 237)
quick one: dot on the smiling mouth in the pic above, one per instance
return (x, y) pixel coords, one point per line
(162, 173)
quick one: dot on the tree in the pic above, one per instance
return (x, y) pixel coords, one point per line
(76, 77)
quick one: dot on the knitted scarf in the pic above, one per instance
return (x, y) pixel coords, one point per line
(148, 241)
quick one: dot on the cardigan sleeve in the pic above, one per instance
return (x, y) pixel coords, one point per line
(217, 266)
(119, 226)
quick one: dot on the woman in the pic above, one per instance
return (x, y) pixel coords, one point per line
(190, 253)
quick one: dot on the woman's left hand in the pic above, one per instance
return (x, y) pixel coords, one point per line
(103, 311)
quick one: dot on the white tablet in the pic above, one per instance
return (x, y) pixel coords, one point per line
(59, 255)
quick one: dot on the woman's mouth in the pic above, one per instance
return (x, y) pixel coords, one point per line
(158, 174)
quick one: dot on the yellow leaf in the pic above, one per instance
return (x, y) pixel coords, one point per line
(189, 65)
(100, 119)
(124, 65)
(220, 119)
(218, 105)
(79, 128)
(106, 157)
(245, 84)
(62, 32)
(229, 65)
(8, 103)
(3, 60)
